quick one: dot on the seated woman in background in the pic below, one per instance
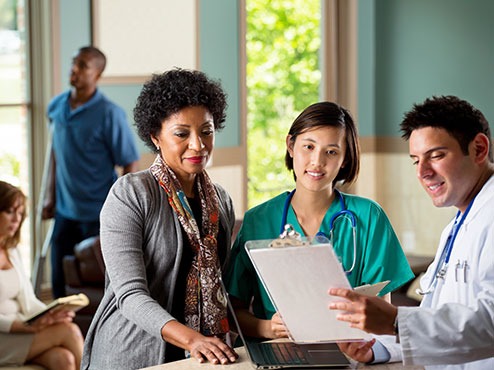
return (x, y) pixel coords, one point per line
(322, 150)
(165, 236)
(52, 341)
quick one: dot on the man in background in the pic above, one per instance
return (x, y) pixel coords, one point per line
(450, 146)
(90, 137)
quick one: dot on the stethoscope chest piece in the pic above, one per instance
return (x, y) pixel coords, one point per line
(344, 213)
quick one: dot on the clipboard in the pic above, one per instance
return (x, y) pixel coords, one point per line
(297, 277)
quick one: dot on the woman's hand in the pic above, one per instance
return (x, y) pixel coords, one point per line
(255, 327)
(21, 327)
(51, 318)
(202, 348)
(277, 327)
(359, 351)
(211, 349)
(48, 319)
(60, 315)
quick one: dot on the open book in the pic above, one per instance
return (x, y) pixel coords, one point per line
(72, 302)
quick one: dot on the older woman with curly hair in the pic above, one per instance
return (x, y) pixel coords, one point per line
(165, 237)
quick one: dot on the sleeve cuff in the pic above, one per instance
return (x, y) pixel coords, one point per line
(381, 354)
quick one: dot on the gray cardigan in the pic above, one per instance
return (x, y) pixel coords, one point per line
(141, 241)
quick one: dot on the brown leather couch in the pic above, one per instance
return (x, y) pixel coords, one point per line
(85, 273)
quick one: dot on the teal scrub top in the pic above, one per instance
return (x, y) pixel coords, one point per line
(379, 253)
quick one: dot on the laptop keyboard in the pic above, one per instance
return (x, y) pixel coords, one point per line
(280, 353)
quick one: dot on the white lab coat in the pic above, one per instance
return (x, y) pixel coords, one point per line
(455, 323)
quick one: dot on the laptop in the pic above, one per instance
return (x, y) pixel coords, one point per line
(288, 354)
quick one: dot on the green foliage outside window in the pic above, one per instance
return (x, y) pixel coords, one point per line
(283, 77)
(8, 15)
(10, 167)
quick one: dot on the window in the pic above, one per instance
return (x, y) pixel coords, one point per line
(283, 39)
(14, 106)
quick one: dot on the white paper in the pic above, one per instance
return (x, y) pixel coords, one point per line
(371, 290)
(298, 279)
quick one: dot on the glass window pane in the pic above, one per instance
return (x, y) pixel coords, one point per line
(282, 44)
(14, 163)
(13, 145)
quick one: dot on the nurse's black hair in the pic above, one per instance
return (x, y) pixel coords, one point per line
(328, 114)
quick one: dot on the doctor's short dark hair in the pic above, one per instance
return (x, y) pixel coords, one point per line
(458, 117)
(171, 91)
(328, 114)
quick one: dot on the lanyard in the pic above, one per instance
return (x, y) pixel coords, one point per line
(454, 232)
(442, 265)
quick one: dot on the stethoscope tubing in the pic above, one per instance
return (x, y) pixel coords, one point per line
(343, 212)
(443, 263)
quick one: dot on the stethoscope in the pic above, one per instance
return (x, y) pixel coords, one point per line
(344, 212)
(442, 266)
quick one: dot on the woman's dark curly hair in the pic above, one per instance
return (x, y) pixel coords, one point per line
(171, 91)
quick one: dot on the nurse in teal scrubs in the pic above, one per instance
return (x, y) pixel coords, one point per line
(323, 153)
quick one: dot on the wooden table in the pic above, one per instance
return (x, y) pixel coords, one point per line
(417, 263)
(243, 363)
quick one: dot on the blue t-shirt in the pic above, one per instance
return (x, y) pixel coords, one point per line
(88, 142)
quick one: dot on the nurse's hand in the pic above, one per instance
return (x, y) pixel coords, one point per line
(278, 328)
(359, 351)
(371, 314)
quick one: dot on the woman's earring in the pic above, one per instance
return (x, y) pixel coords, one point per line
(158, 148)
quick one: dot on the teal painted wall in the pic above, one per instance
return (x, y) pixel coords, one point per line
(75, 31)
(218, 56)
(366, 68)
(126, 96)
(410, 50)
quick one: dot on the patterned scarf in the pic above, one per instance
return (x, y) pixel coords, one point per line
(205, 302)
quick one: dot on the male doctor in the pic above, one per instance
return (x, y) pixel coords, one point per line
(450, 145)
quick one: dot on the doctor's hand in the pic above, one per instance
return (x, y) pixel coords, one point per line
(359, 351)
(371, 314)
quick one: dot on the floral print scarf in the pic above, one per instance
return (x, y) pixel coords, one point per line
(205, 302)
